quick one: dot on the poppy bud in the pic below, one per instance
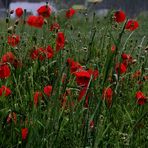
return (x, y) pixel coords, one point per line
(71, 27)
(17, 22)
(47, 3)
(24, 22)
(11, 11)
(10, 29)
(134, 61)
(25, 11)
(7, 20)
(14, 27)
(45, 21)
(94, 14)
(79, 34)
(146, 48)
(98, 22)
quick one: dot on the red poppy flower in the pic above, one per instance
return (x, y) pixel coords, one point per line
(5, 91)
(60, 41)
(119, 16)
(35, 21)
(54, 26)
(19, 12)
(126, 56)
(4, 71)
(49, 52)
(94, 73)
(45, 11)
(42, 53)
(70, 13)
(48, 90)
(39, 21)
(127, 59)
(31, 20)
(82, 78)
(141, 99)
(24, 133)
(74, 66)
(37, 95)
(121, 68)
(38, 54)
(107, 95)
(8, 57)
(132, 25)
(13, 40)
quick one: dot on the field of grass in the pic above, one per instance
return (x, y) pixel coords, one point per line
(79, 92)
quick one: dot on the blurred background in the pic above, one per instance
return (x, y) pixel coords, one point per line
(131, 7)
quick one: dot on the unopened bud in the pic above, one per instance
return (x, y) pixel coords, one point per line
(11, 11)
(7, 20)
(45, 21)
(10, 29)
(17, 22)
(146, 48)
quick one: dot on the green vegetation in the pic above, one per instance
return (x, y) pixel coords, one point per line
(60, 120)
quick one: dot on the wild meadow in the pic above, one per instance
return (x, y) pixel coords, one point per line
(72, 79)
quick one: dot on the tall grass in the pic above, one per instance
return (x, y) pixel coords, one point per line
(88, 41)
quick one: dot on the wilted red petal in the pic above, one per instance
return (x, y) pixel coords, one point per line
(137, 74)
(12, 116)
